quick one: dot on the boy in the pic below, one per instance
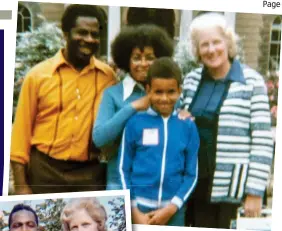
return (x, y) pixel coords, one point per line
(158, 153)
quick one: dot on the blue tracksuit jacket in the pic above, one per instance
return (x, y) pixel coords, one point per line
(158, 159)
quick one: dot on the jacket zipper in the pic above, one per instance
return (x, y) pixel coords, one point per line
(165, 121)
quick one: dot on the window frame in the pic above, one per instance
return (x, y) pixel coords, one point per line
(22, 9)
(275, 27)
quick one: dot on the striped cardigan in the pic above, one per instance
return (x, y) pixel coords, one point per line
(244, 144)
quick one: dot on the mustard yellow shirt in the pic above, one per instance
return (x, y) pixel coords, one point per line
(57, 107)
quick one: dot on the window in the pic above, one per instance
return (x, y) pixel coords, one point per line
(275, 44)
(24, 19)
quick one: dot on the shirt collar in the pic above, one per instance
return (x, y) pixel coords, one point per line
(60, 60)
(128, 86)
(235, 73)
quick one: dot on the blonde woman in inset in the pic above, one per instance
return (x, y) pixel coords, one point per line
(85, 214)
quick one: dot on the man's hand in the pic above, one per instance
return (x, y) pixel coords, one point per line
(163, 215)
(252, 206)
(141, 104)
(22, 190)
(139, 217)
(20, 182)
(183, 115)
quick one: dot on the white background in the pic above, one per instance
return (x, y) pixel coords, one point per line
(247, 6)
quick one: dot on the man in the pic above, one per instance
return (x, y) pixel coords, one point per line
(23, 218)
(51, 149)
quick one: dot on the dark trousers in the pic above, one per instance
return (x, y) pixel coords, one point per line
(48, 175)
(201, 213)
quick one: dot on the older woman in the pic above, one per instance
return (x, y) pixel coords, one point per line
(133, 50)
(85, 214)
(229, 103)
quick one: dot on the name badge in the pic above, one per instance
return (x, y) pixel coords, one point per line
(150, 136)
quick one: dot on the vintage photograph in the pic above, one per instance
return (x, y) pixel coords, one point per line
(65, 212)
(178, 106)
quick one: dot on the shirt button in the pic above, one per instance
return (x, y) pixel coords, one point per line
(78, 97)
(76, 118)
(77, 90)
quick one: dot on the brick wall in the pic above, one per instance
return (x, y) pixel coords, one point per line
(52, 11)
(265, 45)
(248, 27)
(255, 31)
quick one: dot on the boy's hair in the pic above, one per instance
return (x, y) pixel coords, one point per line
(20, 207)
(74, 11)
(164, 68)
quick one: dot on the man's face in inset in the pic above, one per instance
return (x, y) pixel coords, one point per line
(23, 220)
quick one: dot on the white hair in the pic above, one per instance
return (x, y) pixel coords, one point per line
(212, 20)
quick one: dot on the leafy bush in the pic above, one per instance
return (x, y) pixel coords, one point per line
(272, 84)
(183, 57)
(49, 214)
(116, 217)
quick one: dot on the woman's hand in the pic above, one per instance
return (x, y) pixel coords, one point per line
(252, 206)
(141, 104)
(20, 182)
(183, 115)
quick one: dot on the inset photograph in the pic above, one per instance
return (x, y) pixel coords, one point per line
(88, 211)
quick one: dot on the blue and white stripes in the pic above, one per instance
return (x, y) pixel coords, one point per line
(244, 147)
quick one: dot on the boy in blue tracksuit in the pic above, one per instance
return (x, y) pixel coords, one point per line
(158, 153)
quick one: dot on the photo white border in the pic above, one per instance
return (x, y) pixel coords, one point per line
(277, 189)
(9, 27)
(250, 6)
(74, 195)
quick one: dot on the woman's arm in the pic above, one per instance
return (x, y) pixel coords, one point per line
(261, 150)
(110, 123)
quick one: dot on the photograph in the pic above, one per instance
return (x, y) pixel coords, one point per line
(86, 211)
(178, 106)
